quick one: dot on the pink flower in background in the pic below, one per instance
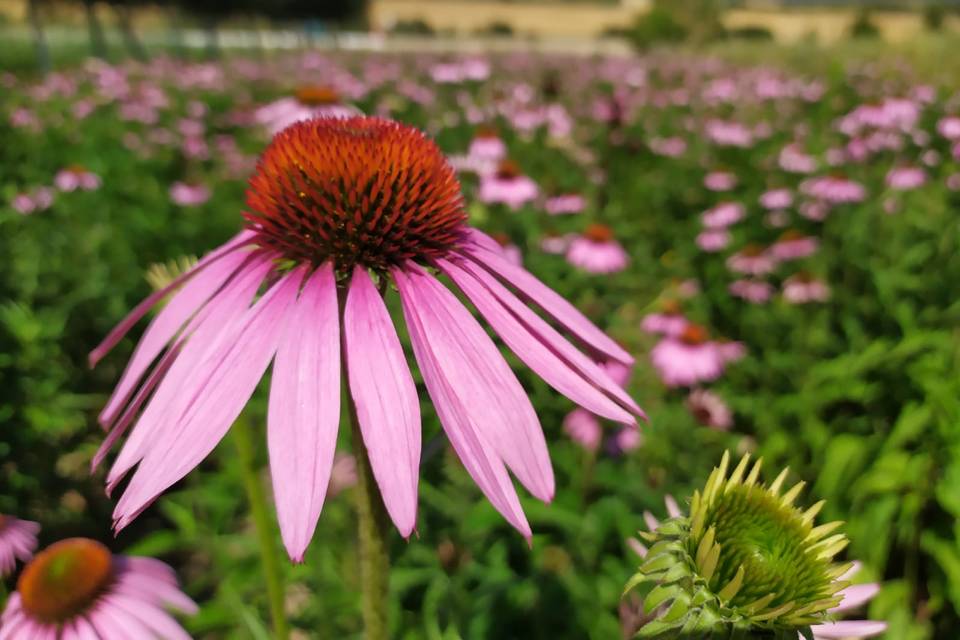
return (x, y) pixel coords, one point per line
(854, 597)
(487, 146)
(793, 245)
(755, 291)
(777, 199)
(18, 540)
(583, 428)
(555, 244)
(949, 128)
(565, 204)
(687, 359)
(753, 259)
(40, 199)
(777, 219)
(668, 147)
(669, 322)
(953, 182)
(720, 181)
(906, 178)
(507, 186)
(307, 102)
(834, 189)
(214, 338)
(794, 160)
(76, 177)
(802, 287)
(597, 251)
(508, 249)
(625, 440)
(343, 474)
(726, 133)
(723, 215)
(76, 589)
(189, 195)
(814, 210)
(713, 240)
(709, 409)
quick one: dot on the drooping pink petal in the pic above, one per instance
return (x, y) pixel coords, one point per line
(165, 326)
(201, 338)
(475, 369)
(81, 630)
(154, 618)
(548, 299)
(304, 411)
(847, 629)
(213, 400)
(673, 509)
(385, 397)
(141, 309)
(856, 595)
(561, 356)
(462, 426)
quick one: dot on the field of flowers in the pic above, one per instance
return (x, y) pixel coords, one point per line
(778, 249)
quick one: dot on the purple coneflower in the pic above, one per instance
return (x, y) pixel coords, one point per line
(720, 181)
(306, 103)
(755, 291)
(802, 287)
(507, 185)
(487, 146)
(585, 428)
(342, 211)
(565, 204)
(76, 589)
(186, 194)
(776, 199)
(18, 540)
(713, 240)
(669, 321)
(597, 251)
(793, 245)
(555, 244)
(723, 215)
(687, 359)
(834, 189)
(906, 178)
(76, 177)
(709, 409)
(753, 259)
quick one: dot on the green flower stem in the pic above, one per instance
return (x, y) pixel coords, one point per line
(266, 530)
(371, 538)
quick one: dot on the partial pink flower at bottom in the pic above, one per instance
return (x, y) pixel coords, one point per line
(76, 590)
(18, 540)
(854, 597)
(597, 251)
(303, 288)
(709, 409)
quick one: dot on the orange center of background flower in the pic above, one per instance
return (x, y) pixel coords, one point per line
(485, 132)
(3, 521)
(598, 233)
(791, 234)
(671, 307)
(508, 170)
(694, 334)
(65, 579)
(316, 96)
(753, 250)
(358, 190)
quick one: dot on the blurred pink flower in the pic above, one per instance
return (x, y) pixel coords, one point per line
(189, 195)
(776, 199)
(597, 251)
(687, 359)
(76, 177)
(565, 204)
(755, 291)
(834, 189)
(793, 245)
(555, 244)
(906, 178)
(507, 186)
(754, 260)
(801, 288)
(583, 428)
(720, 181)
(709, 409)
(723, 215)
(713, 240)
(18, 541)
(794, 160)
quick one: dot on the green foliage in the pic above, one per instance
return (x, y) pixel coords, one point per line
(656, 26)
(863, 26)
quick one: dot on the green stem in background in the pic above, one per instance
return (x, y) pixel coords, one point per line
(371, 539)
(266, 530)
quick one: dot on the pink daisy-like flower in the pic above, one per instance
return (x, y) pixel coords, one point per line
(185, 194)
(18, 540)
(487, 146)
(555, 244)
(668, 147)
(584, 427)
(776, 199)
(795, 160)
(755, 291)
(508, 249)
(76, 589)
(668, 322)
(793, 245)
(834, 189)
(687, 359)
(76, 177)
(727, 133)
(723, 215)
(753, 259)
(507, 186)
(565, 204)
(906, 178)
(802, 287)
(340, 210)
(720, 181)
(713, 240)
(306, 103)
(949, 127)
(709, 409)
(596, 251)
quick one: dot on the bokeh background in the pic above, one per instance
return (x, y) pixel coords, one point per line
(127, 130)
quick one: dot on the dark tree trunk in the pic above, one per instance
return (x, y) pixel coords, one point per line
(133, 44)
(39, 37)
(98, 45)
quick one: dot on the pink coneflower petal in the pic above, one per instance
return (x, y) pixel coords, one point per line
(532, 351)
(549, 300)
(474, 367)
(195, 292)
(212, 398)
(856, 595)
(847, 629)
(454, 404)
(304, 410)
(205, 332)
(157, 621)
(385, 396)
(117, 333)
(673, 509)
